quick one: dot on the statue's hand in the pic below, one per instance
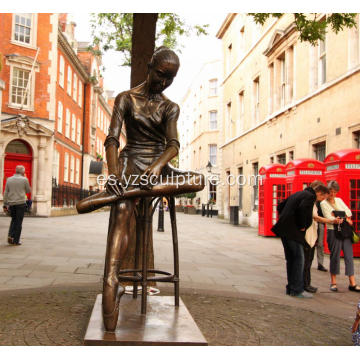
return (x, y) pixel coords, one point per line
(114, 185)
(153, 170)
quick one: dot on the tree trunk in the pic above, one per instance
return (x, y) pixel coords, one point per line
(143, 44)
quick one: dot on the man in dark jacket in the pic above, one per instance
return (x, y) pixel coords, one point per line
(295, 217)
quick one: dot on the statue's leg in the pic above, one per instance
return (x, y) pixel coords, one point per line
(117, 241)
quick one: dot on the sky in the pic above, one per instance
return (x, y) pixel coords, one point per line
(195, 52)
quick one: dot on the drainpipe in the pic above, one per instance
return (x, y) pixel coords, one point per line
(83, 137)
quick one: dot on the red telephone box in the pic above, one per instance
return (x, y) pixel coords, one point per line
(271, 192)
(344, 167)
(300, 173)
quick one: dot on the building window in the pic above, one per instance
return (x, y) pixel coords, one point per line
(281, 158)
(77, 172)
(271, 159)
(241, 187)
(213, 87)
(322, 61)
(72, 169)
(73, 125)
(66, 167)
(242, 42)
(55, 165)
(78, 131)
(228, 118)
(228, 59)
(282, 79)
(75, 84)
(21, 93)
(256, 90)
(24, 29)
(60, 117)
(356, 139)
(271, 88)
(213, 120)
(67, 123)
(241, 109)
(212, 154)
(212, 191)
(291, 155)
(69, 78)
(320, 151)
(80, 93)
(61, 71)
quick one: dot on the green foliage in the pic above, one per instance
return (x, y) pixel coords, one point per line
(175, 161)
(312, 27)
(114, 31)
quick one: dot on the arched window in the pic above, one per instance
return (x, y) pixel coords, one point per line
(18, 147)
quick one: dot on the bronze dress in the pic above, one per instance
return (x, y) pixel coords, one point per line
(150, 126)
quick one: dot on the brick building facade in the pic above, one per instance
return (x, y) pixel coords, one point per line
(54, 113)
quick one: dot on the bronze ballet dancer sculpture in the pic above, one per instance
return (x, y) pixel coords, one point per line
(150, 119)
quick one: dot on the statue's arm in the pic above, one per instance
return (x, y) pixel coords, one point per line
(112, 140)
(172, 142)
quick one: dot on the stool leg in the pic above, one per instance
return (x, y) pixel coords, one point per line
(137, 250)
(175, 249)
(145, 238)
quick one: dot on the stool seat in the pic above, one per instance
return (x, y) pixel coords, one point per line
(144, 214)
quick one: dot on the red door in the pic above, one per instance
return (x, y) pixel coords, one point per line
(17, 152)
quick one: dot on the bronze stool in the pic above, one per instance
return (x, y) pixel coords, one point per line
(144, 214)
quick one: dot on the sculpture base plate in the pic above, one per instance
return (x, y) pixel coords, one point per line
(163, 324)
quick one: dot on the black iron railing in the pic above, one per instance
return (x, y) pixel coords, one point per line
(68, 196)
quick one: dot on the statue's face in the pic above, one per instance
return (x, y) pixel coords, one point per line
(161, 76)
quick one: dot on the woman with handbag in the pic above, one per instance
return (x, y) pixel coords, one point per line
(339, 239)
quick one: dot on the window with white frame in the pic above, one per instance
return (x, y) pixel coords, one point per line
(228, 118)
(55, 165)
(69, 80)
(78, 131)
(21, 90)
(72, 169)
(24, 30)
(212, 154)
(80, 93)
(66, 167)
(73, 125)
(256, 89)
(282, 80)
(67, 123)
(61, 71)
(322, 61)
(213, 120)
(77, 172)
(60, 117)
(213, 87)
(75, 84)
(242, 42)
(228, 59)
(241, 109)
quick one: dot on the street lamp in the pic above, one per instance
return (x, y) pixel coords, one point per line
(209, 166)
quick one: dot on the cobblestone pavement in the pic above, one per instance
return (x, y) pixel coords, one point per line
(216, 258)
(59, 316)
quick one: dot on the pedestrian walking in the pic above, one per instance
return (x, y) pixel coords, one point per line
(296, 215)
(16, 188)
(328, 207)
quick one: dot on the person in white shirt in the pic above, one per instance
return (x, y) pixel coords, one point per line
(336, 245)
(311, 237)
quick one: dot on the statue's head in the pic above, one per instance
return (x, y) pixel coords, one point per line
(163, 67)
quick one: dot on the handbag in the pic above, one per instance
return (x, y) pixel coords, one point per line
(355, 237)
